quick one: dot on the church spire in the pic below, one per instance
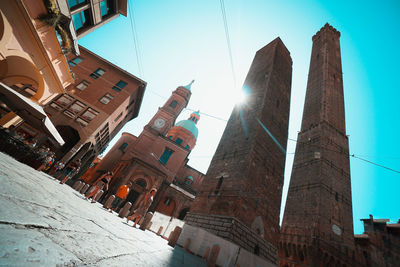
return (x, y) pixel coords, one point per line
(189, 85)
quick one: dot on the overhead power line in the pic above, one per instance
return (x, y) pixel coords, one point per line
(228, 41)
(374, 163)
(208, 115)
(135, 38)
(345, 154)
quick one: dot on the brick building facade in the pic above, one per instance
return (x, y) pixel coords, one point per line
(102, 100)
(379, 245)
(317, 227)
(240, 197)
(157, 158)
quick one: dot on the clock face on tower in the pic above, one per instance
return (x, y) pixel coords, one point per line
(159, 123)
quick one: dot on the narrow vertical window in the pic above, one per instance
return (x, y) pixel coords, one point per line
(173, 104)
(165, 156)
(123, 147)
(220, 180)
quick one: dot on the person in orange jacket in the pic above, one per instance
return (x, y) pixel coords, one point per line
(121, 195)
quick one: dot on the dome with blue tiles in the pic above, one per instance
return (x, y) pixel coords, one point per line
(190, 126)
(185, 132)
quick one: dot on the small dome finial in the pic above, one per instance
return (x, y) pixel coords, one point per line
(189, 85)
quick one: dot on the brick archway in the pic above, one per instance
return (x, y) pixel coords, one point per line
(167, 205)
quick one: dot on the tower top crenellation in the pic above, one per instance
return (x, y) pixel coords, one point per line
(326, 29)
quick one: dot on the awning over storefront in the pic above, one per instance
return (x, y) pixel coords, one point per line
(29, 111)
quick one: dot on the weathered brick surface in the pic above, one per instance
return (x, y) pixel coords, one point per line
(319, 197)
(244, 181)
(234, 231)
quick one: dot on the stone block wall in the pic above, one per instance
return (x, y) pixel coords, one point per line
(235, 231)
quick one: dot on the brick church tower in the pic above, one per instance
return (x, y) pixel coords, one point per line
(240, 197)
(317, 228)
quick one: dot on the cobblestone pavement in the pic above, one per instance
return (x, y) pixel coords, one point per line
(44, 223)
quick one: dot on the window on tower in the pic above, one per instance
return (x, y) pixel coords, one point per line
(220, 180)
(123, 147)
(165, 156)
(178, 141)
(173, 104)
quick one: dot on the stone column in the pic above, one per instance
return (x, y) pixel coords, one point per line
(174, 237)
(146, 221)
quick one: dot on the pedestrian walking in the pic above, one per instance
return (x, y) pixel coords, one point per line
(121, 195)
(102, 183)
(144, 205)
(57, 169)
(71, 169)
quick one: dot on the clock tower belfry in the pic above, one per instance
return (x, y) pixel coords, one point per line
(166, 115)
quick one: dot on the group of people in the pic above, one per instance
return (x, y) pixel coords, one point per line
(143, 204)
(64, 173)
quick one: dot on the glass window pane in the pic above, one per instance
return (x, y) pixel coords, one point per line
(77, 107)
(121, 84)
(82, 85)
(103, 8)
(64, 100)
(165, 156)
(88, 115)
(104, 100)
(100, 71)
(77, 60)
(115, 88)
(173, 104)
(94, 112)
(72, 3)
(76, 18)
(83, 17)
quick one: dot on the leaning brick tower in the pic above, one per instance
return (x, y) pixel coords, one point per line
(241, 194)
(317, 227)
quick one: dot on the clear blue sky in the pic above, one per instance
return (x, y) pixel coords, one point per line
(181, 40)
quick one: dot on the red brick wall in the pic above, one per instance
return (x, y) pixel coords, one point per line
(319, 198)
(247, 158)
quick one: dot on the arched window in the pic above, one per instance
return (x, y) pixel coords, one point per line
(178, 141)
(141, 183)
(123, 147)
(165, 156)
(173, 104)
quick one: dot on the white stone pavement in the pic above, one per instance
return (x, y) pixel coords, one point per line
(44, 223)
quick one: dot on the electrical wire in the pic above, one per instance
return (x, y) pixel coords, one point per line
(135, 38)
(374, 163)
(228, 41)
(208, 115)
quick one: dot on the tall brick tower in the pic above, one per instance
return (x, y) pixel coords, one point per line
(241, 194)
(317, 228)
